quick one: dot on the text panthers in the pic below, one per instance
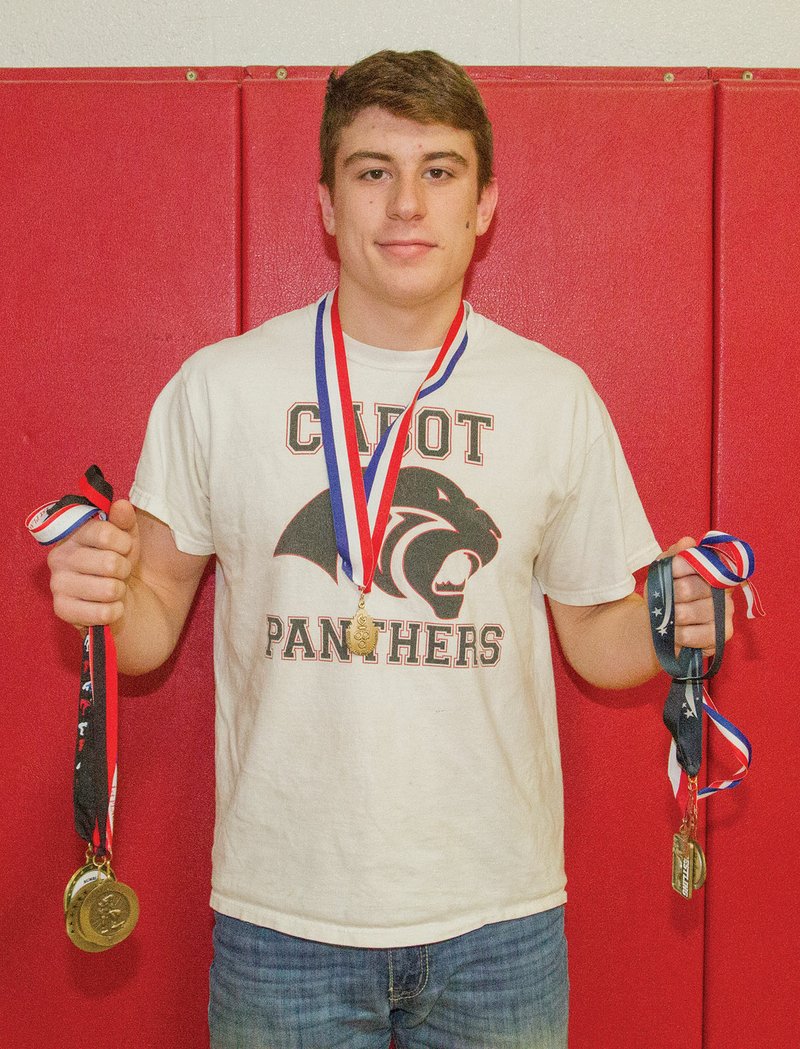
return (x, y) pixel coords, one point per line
(400, 642)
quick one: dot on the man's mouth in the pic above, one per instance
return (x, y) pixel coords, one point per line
(406, 248)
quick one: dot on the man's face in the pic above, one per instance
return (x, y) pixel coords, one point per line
(405, 209)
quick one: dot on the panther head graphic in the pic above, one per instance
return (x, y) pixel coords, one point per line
(436, 539)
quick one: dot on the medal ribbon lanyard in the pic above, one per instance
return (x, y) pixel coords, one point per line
(95, 780)
(722, 561)
(361, 503)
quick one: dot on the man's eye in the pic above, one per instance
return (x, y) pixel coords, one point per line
(438, 174)
(373, 175)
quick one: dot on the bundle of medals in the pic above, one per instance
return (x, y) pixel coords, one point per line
(688, 858)
(99, 910)
(724, 562)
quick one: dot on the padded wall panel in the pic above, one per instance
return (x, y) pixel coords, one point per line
(119, 218)
(173, 74)
(602, 250)
(520, 74)
(754, 856)
(287, 261)
(120, 224)
(753, 74)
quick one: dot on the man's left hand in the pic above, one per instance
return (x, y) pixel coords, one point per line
(694, 610)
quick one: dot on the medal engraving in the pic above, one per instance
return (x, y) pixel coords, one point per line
(108, 913)
(362, 634)
(682, 880)
(688, 866)
(73, 924)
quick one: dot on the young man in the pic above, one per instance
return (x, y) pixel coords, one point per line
(388, 851)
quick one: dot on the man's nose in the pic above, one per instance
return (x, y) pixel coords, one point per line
(407, 200)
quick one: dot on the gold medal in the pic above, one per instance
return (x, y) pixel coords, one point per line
(108, 912)
(362, 634)
(86, 875)
(73, 925)
(688, 866)
(698, 865)
(688, 860)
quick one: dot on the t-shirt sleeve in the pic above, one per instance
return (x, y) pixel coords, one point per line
(171, 481)
(600, 534)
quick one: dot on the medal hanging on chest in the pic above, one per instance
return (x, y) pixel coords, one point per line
(361, 501)
(723, 561)
(99, 911)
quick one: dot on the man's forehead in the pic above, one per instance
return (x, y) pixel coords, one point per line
(378, 134)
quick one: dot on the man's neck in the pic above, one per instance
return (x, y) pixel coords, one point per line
(395, 326)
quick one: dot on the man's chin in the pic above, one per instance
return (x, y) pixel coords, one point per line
(414, 286)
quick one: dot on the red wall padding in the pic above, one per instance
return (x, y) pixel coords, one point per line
(125, 225)
(597, 251)
(124, 220)
(754, 921)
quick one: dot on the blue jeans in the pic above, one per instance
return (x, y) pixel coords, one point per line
(503, 986)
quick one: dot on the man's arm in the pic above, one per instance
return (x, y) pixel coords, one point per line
(610, 644)
(126, 572)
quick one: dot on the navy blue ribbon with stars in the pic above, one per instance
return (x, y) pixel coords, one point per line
(724, 562)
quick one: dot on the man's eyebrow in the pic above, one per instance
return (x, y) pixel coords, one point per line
(447, 154)
(386, 158)
(366, 154)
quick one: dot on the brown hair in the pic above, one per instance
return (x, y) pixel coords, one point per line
(418, 85)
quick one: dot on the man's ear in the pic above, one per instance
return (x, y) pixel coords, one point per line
(487, 202)
(326, 206)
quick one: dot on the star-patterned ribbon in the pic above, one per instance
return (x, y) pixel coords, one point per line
(723, 561)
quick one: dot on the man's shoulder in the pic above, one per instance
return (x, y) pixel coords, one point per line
(523, 355)
(276, 340)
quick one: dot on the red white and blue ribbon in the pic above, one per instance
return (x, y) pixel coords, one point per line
(739, 750)
(723, 561)
(52, 522)
(95, 778)
(361, 502)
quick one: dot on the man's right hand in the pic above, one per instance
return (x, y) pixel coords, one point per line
(126, 572)
(90, 569)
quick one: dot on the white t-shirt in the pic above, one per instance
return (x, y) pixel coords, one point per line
(414, 794)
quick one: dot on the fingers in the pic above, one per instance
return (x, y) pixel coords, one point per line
(694, 608)
(694, 623)
(123, 515)
(98, 602)
(90, 569)
(686, 543)
(690, 587)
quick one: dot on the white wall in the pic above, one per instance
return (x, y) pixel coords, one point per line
(741, 33)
